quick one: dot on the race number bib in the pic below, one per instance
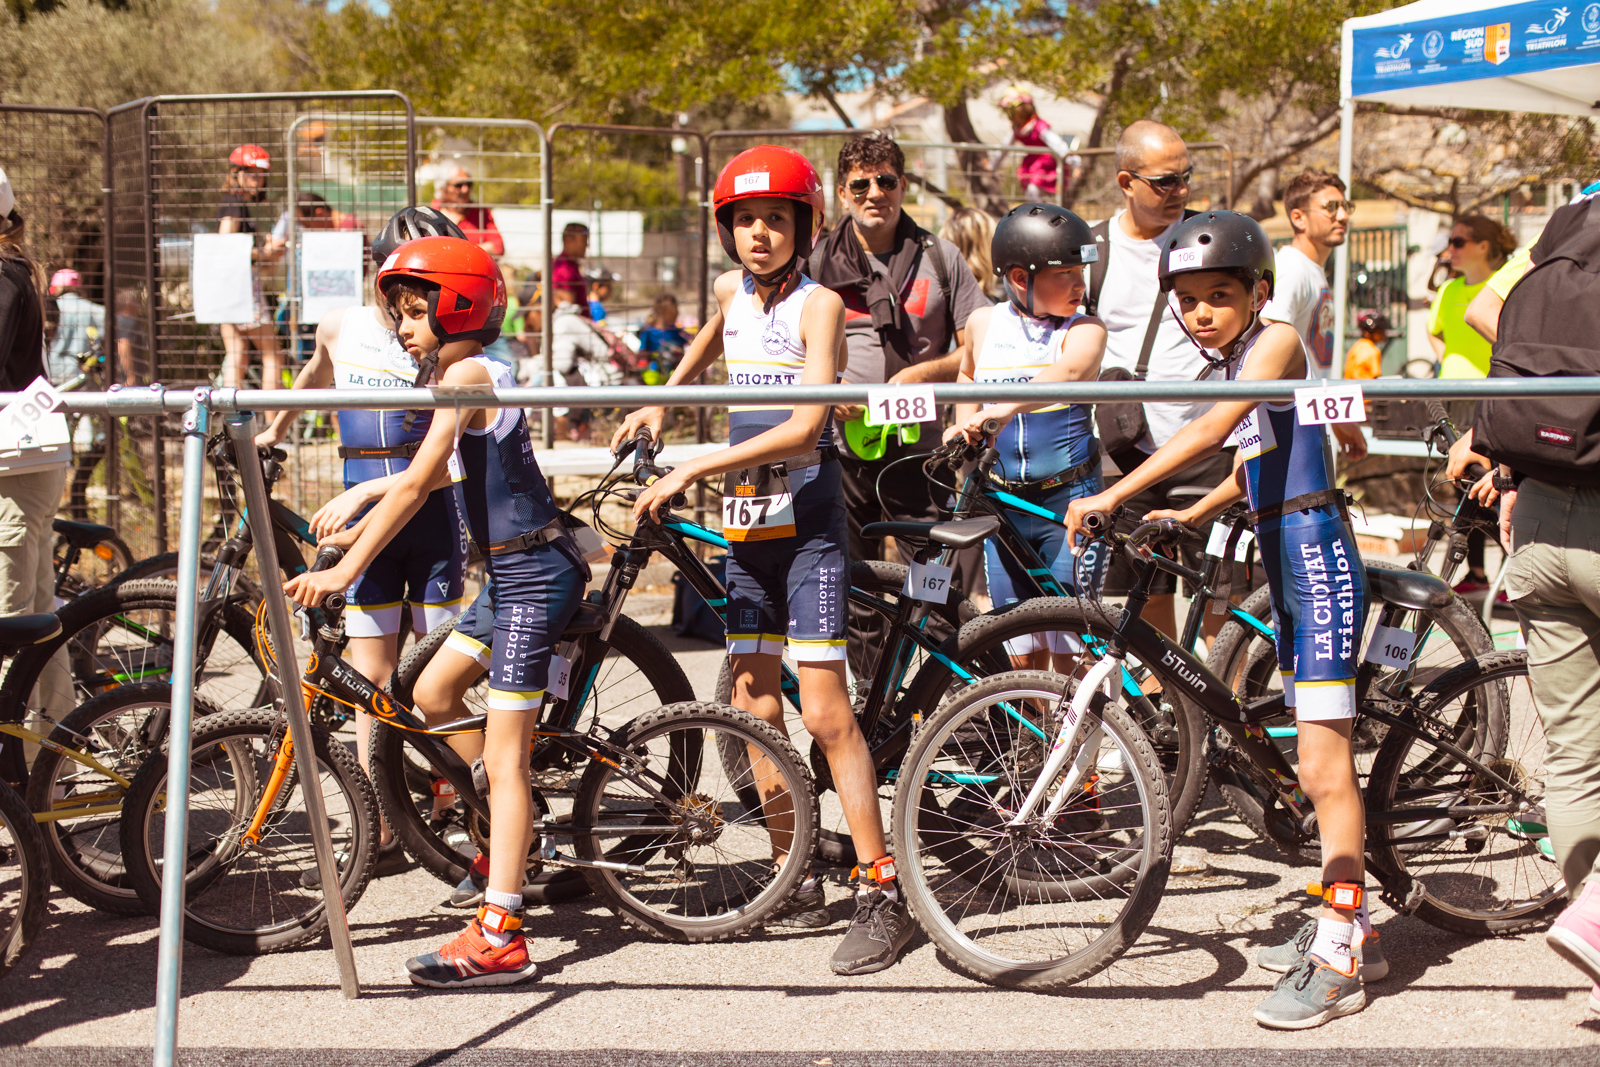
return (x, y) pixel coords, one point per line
(1253, 435)
(928, 581)
(1218, 542)
(1319, 405)
(757, 505)
(560, 678)
(1391, 647)
(900, 404)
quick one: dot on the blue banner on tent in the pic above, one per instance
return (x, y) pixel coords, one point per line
(1491, 43)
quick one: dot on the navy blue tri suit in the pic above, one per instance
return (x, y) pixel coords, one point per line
(788, 574)
(423, 563)
(536, 578)
(1049, 458)
(1318, 582)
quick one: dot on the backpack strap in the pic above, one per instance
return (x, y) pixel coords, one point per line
(930, 248)
(1097, 270)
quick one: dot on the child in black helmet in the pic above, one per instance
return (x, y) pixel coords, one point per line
(1219, 269)
(1048, 452)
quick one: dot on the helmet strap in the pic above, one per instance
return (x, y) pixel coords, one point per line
(781, 283)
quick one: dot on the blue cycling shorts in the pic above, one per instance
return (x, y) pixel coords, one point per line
(795, 590)
(1319, 606)
(516, 622)
(422, 566)
(1010, 582)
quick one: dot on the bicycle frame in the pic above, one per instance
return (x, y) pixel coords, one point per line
(79, 806)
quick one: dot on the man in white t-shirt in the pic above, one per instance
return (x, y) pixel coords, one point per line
(1319, 214)
(1153, 172)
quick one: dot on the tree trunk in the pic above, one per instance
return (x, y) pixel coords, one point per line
(982, 183)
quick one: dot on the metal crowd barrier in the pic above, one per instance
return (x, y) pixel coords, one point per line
(237, 406)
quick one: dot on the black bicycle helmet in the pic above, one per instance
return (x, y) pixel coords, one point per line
(1218, 240)
(1371, 320)
(410, 223)
(1035, 236)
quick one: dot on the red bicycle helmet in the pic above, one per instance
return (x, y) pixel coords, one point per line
(467, 301)
(768, 170)
(250, 155)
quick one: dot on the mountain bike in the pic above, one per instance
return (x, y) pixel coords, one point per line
(24, 880)
(1456, 790)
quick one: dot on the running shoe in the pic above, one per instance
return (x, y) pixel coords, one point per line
(878, 931)
(1575, 937)
(1311, 994)
(1280, 958)
(471, 960)
(1470, 585)
(806, 909)
(469, 892)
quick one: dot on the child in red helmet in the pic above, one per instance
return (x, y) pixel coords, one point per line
(449, 299)
(246, 184)
(788, 575)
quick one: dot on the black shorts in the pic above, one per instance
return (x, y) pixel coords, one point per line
(1210, 472)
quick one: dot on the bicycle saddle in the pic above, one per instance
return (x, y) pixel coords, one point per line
(82, 534)
(1179, 494)
(963, 533)
(588, 620)
(20, 631)
(1412, 590)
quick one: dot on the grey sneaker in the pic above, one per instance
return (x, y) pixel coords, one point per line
(1280, 958)
(879, 929)
(806, 909)
(469, 892)
(1311, 994)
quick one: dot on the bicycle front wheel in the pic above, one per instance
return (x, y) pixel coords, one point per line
(1480, 850)
(24, 883)
(686, 859)
(1058, 898)
(249, 897)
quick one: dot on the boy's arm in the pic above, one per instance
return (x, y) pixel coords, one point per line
(822, 332)
(1213, 503)
(316, 374)
(1078, 361)
(1277, 355)
(977, 330)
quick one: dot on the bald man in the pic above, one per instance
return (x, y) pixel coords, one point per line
(1153, 172)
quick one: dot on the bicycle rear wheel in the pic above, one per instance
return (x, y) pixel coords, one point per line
(244, 899)
(1049, 903)
(79, 781)
(698, 863)
(1487, 872)
(24, 881)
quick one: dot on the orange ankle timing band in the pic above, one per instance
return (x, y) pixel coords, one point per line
(493, 917)
(1339, 894)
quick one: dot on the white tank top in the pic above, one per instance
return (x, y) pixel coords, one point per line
(370, 356)
(765, 349)
(1044, 443)
(1016, 347)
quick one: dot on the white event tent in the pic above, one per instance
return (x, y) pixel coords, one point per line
(1496, 56)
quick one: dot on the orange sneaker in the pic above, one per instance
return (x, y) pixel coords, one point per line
(471, 960)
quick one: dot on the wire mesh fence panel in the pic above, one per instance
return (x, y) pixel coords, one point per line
(203, 203)
(55, 160)
(629, 281)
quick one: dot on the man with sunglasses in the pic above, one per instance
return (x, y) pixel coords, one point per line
(477, 222)
(1319, 214)
(907, 295)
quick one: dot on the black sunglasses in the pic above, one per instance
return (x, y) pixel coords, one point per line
(1165, 183)
(886, 182)
(1459, 242)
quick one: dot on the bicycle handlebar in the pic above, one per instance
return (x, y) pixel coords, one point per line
(956, 452)
(644, 448)
(1159, 532)
(329, 556)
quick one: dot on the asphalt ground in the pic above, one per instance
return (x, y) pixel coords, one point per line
(606, 994)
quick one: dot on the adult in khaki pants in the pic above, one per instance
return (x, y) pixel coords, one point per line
(31, 479)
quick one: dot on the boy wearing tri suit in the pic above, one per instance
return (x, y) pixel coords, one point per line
(788, 576)
(1048, 452)
(449, 298)
(1218, 267)
(357, 348)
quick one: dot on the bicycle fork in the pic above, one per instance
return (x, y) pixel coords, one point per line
(1076, 735)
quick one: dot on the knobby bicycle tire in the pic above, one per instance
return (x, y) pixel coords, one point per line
(85, 853)
(24, 879)
(165, 566)
(244, 901)
(403, 785)
(1248, 662)
(1007, 887)
(1466, 862)
(684, 895)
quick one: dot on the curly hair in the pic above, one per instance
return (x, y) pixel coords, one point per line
(870, 153)
(972, 232)
(1297, 195)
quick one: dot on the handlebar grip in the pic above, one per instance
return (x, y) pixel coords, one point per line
(1474, 471)
(1436, 410)
(991, 427)
(333, 602)
(327, 556)
(1097, 523)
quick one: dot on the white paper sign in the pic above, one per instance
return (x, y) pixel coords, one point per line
(560, 678)
(896, 404)
(1391, 647)
(220, 278)
(928, 581)
(1218, 541)
(1319, 405)
(330, 272)
(23, 415)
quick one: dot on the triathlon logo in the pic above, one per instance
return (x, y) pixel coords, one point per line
(1591, 19)
(1553, 24)
(1396, 50)
(1433, 44)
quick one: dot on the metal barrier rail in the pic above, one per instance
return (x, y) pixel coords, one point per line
(200, 404)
